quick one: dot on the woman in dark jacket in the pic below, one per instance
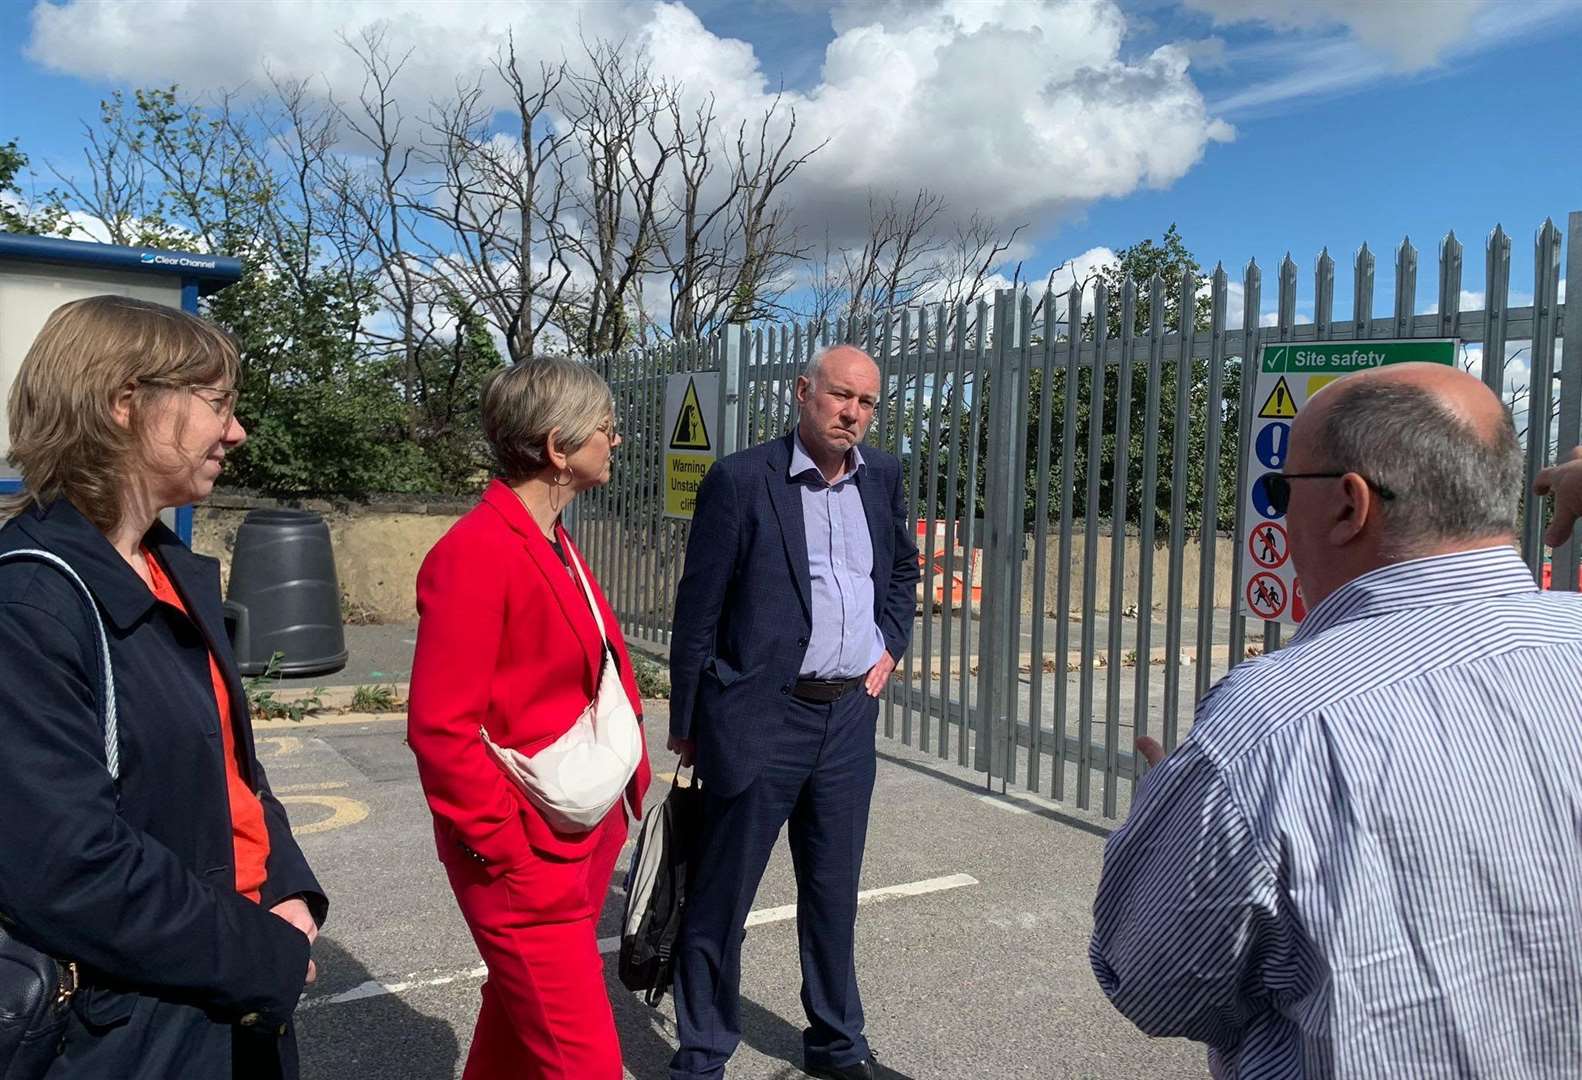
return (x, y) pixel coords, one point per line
(178, 891)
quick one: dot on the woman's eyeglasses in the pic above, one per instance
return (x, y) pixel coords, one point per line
(1278, 487)
(218, 398)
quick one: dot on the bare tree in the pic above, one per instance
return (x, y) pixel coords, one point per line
(381, 215)
(619, 112)
(734, 240)
(899, 257)
(967, 262)
(501, 201)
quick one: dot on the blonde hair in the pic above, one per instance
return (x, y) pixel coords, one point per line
(65, 440)
(523, 403)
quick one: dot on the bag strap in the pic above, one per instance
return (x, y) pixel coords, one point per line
(587, 591)
(112, 740)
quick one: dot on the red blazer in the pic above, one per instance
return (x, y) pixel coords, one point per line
(505, 640)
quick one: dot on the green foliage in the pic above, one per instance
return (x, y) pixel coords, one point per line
(1070, 478)
(15, 214)
(260, 690)
(1171, 260)
(653, 681)
(378, 698)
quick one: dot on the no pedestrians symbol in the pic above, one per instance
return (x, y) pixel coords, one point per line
(1268, 545)
(1266, 596)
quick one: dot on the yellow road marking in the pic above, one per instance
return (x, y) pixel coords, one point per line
(343, 812)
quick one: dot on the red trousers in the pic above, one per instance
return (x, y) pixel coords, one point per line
(546, 1012)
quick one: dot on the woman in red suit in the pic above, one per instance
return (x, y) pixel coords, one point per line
(507, 642)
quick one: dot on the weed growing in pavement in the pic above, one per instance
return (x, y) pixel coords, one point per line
(378, 698)
(263, 703)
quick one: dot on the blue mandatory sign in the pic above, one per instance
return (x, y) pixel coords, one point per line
(1273, 444)
(1261, 501)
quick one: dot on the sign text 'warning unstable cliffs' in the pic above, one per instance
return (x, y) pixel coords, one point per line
(691, 401)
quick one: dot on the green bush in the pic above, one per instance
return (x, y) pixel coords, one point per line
(653, 680)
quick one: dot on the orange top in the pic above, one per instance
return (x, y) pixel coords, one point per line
(249, 834)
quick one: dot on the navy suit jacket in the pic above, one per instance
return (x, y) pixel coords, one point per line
(743, 607)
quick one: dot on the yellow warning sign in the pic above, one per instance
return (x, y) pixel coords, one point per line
(1315, 383)
(683, 476)
(1281, 405)
(689, 432)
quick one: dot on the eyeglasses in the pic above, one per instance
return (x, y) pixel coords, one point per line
(1278, 486)
(219, 398)
(608, 428)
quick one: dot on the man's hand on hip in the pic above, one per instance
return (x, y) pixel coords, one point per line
(879, 674)
(685, 747)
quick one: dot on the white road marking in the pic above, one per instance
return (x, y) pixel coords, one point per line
(377, 988)
(1003, 804)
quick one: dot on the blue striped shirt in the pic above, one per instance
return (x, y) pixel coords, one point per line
(1366, 860)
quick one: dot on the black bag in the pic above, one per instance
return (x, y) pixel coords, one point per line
(656, 887)
(35, 988)
(35, 1000)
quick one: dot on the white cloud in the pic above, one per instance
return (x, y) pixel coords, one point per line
(1413, 33)
(1328, 47)
(1031, 110)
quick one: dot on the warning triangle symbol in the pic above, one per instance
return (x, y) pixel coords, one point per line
(1280, 405)
(689, 432)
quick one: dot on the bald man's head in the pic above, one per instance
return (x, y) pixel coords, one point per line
(1433, 437)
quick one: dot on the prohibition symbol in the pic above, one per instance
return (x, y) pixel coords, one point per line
(1266, 595)
(1280, 404)
(1268, 545)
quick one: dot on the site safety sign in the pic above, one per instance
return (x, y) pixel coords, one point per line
(691, 401)
(1289, 374)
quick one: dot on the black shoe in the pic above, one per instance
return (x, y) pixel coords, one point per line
(861, 1070)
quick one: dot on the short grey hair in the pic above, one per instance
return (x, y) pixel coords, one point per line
(1450, 481)
(523, 403)
(815, 365)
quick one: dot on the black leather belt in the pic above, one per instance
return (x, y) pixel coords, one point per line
(824, 691)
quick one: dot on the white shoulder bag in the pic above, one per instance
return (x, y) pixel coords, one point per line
(578, 778)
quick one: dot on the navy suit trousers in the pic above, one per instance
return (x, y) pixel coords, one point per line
(819, 779)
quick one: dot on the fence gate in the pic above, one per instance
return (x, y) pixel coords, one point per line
(1073, 468)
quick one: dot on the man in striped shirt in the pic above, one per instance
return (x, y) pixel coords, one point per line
(1366, 861)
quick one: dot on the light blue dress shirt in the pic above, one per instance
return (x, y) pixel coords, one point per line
(845, 641)
(1367, 859)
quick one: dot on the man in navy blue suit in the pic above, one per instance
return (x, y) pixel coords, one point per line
(797, 599)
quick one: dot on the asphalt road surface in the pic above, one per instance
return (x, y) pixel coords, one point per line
(972, 945)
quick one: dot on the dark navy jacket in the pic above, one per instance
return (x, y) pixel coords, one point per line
(743, 607)
(138, 884)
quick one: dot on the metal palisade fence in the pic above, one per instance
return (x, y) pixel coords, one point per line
(1074, 473)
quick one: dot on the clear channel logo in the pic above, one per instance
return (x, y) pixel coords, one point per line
(186, 262)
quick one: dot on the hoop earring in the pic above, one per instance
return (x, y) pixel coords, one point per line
(555, 484)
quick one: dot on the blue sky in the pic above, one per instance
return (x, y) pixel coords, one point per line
(1382, 143)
